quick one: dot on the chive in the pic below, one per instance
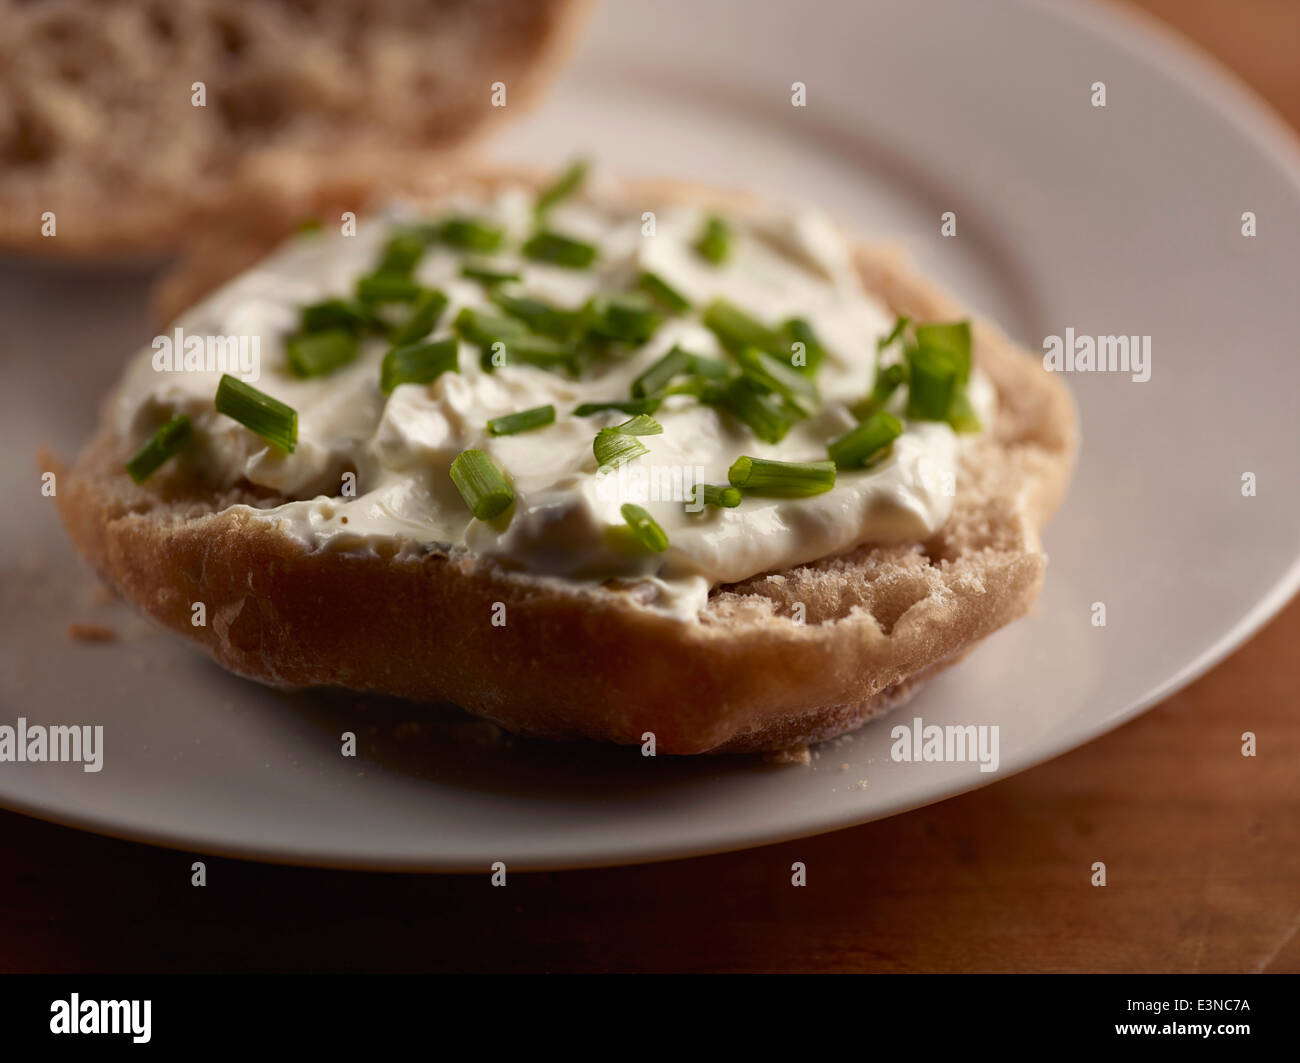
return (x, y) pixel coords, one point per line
(418, 363)
(165, 442)
(471, 234)
(523, 421)
(487, 275)
(630, 319)
(401, 254)
(961, 414)
(525, 349)
(736, 330)
(640, 425)
(540, 316)
(714, 242)
(427, 310)
(269, 418)
(714, 495)
(632, 406)
(665, 292)
(782, 479)
(771, 374)
(318, 353)
(888, 380)
(563, 186)
(888, 341)
(613, 448)
(560, 250)
(675, 363)
(800, 331)
(387, 288)
(482, 329)
(332, 313)
(762, 413)
(487, 493)
(869, 440)
(954, 338)
(646, 528)
(933, 373)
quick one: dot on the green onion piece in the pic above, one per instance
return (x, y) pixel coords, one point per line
(162, 445)
(888, 341)
(482, 329)
(540, 316)
(782, 479)
(869, 440)
(675, 363)
(661, 290)
(470, 234)
(715, 242)
(563, 186)
(318, 353)
(487, 275)
(427, 310)
(646, 528)
(934, 380)
(560, 250)
(630, 319)
(269, 418)
(487, 493)
(888, 380)
(401, 253)
(961, 414)
(612, 447)
(418, 363)
(736, 330)
(332, 313)
(632, 406)
(526, 349)
(640, 425)
(714, 495)
(954, 338)
(766, 418)
(800, 331)
(523, 421)
(387, 288)
(772, 374)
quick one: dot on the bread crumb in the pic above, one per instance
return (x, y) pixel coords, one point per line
(796, 755)
(91, 632)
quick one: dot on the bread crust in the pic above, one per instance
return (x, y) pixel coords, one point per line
(579, 662)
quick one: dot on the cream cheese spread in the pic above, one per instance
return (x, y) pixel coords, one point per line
(400, 446)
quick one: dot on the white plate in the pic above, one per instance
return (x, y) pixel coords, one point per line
(1117, 220)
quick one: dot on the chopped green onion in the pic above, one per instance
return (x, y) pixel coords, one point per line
(647, 530)
(162, 445)
(934, 379)
(772, 374)
(900, 324)
(675, 363)
(428, 309)
(487, 493)
(612, 448)
(714, 495)
(318, 353)
(630, 319)
(269, 418)
(961, 414)
(401, 253)
(523, 421)
(563, 187)
(954, 338)
(632, 406)
(640, 425)
(482, 329)
(888, 380)
(715, 242)
(387, 288)
(782, 479)
(487, 275)
(418, 363)
(540, 316)
(736, 330)
(332, 313)
(665, 292)
(526, 349)
(560, 250)
(869, 440)
(800, 331)
(763, 414)
(471, 234)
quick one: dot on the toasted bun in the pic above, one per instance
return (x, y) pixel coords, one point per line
(574, 661)
(97, 122)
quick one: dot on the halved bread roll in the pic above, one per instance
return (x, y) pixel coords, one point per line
(590, 661)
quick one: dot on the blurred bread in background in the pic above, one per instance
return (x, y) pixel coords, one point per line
(302, 100)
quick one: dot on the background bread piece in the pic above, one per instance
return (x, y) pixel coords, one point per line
(97, 124)
(590, 662)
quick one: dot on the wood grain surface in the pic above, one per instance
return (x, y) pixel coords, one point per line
(1202, 845)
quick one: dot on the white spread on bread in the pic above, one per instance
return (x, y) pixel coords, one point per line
(401, 446)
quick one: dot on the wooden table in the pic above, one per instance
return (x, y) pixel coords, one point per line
(1201, 844)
